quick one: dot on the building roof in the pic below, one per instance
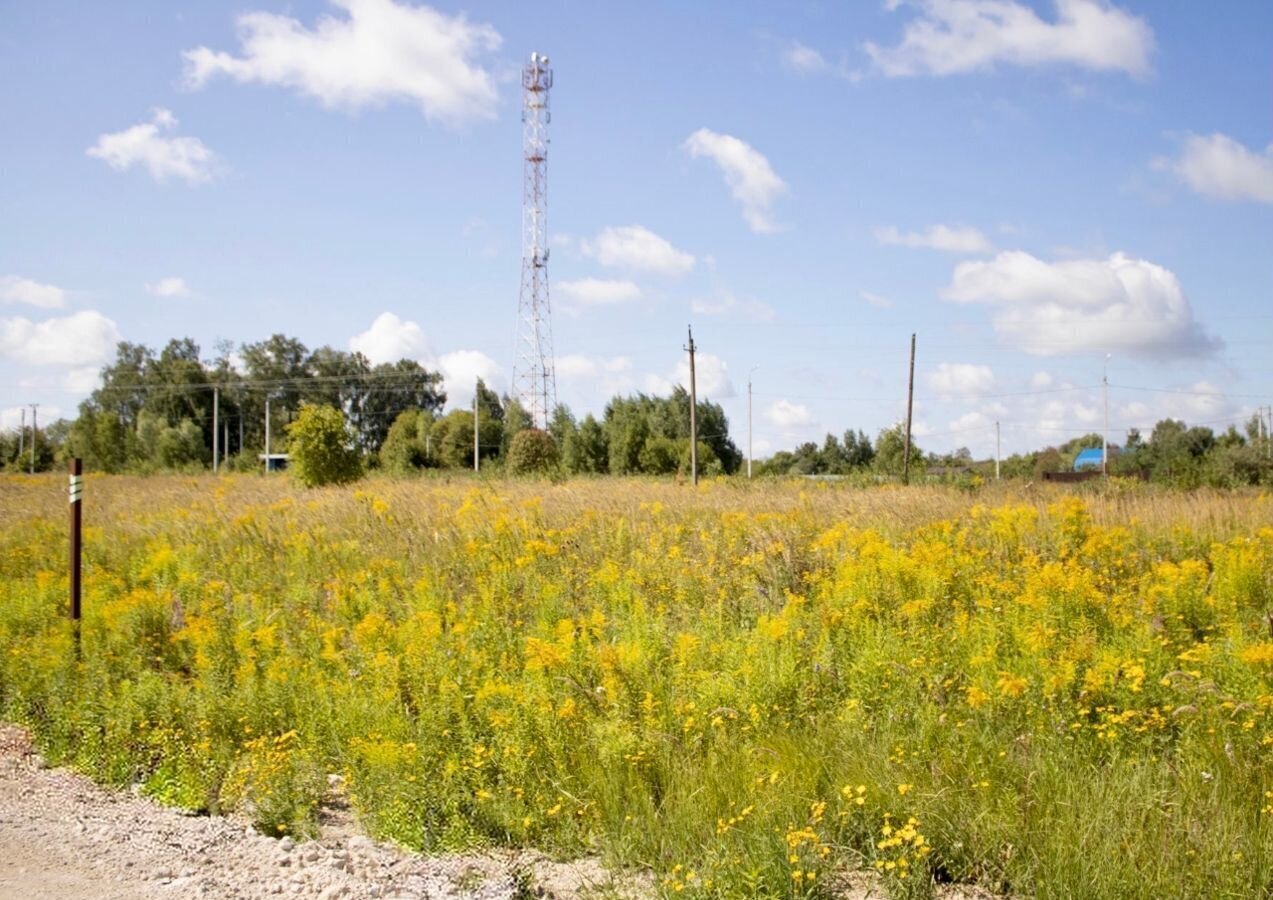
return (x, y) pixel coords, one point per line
(1092, 457)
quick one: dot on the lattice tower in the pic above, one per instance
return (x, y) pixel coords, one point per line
(534, 383)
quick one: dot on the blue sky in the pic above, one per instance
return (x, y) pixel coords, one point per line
(1027, 186)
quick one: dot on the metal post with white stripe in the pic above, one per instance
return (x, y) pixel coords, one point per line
(76, 493)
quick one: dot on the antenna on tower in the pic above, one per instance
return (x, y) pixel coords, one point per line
(534, 383)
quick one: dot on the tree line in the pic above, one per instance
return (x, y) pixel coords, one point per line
(154, 410)
(157, 410)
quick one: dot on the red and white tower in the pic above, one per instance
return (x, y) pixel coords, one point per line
(534, 383)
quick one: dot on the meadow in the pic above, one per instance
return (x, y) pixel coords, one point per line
(745, 689)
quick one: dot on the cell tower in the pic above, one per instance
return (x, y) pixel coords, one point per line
(533, 380)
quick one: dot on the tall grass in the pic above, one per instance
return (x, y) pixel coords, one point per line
(744, 688)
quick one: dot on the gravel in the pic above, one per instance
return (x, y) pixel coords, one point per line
(63, 836)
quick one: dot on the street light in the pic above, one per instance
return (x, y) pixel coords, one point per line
(749, 371)
(1105, 432)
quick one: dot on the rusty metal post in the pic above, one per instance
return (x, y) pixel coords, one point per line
(76, 491)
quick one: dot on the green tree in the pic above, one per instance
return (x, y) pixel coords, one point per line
(323, 448)
(404, 450)
(890, 452)
(586, 452)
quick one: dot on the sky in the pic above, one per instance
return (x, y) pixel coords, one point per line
(1045, 193)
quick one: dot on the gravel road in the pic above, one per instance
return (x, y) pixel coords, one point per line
(63, 836)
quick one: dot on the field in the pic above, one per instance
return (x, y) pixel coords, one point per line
(746, 690)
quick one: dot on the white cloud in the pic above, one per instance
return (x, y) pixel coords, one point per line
(804, 60)
(83, 379)
(168, 287)
(956, 36)
(637, 248)
(963, 379)
(378, 52)
(598, 291)
(750, 177)
(711, 376)
(1041, 380)
(31, 293)
(164, 157)
(81, 339)
(1117, 304)
(726, 303)
(1219, 167)
(462, 368)
(603, 376)
(960, 239)
(786, 414)
(879, 301)
(390, 339)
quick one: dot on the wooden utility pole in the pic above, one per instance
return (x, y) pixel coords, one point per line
(35, 434)
(216, 409)
(76, 492)
(693, 412)
(267, 434)
(996, 451)
(477, 387)
(910, 399)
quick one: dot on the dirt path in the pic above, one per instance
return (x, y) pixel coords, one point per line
(63, 836)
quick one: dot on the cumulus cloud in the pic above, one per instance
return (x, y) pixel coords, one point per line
(1219, 167)
(374, 52)
(712, 374)
(576, 365)
(955, 36)
(462, 368)
(1049, 308)
(750, 177)
(727, 303)
(168, 287)
(950, 238)
(149, 146)
(31, 293)
(786, 414)
(962, 379)
(637, 248)
(82, 339)
(390, 339)
(597, 291)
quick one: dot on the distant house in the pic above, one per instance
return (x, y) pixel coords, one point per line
(275, 462)
(1091, 458)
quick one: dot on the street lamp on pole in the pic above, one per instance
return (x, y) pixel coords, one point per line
(749, 371)
(1105, 432)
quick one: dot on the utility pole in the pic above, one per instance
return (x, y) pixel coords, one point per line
(1268, 435)
(693, 412)
(996, 451)
(476, 459)
(910, 401)
(216, 404)
(749, 454)
(240, 429)
(22, 434)
(267, 434)
(35, 434)
(1105, 431)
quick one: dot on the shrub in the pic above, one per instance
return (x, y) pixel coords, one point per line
(322, 447)
(532, 450)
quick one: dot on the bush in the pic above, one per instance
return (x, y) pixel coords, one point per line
(531, 451)
(322, 448)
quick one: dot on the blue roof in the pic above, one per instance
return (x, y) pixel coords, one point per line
(1091, 458)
